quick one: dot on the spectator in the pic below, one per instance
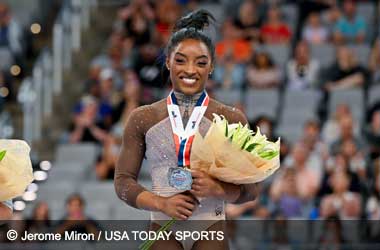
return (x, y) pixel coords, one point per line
(355, 159)
(109, 97)
(232, 44)
(373, 203)
(345, 73)
(332, 234)
(331, 129)
(374, 61)
(307, 179)
(147, 67)
(318, 149)
(85, 127)
(40, 220)
(105, 166)
(289, 202)
(248, 21)
(92, 83)
(10, 31)
(262, 73)
(228, 74)
(266, 125)
(346, 133)
(314, 32)
(75, 219)
(350, 27)
(312, 139)
(331, 16)
(338, 163)
(167, 12)
(138, 17)
(372, 209)
(371, 133)
(342, 202)
(274, 30)
(302, 71)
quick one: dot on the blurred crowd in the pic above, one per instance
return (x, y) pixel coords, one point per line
(12, 52)
(331, 171)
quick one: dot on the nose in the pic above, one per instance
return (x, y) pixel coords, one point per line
(190, 69)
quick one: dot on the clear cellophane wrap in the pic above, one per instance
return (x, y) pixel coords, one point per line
(16, 171)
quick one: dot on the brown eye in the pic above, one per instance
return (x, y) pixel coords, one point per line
(202, 64)
(179, 60)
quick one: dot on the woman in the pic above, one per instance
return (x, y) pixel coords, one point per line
(262, 73)
(302, 70)
(148, 132)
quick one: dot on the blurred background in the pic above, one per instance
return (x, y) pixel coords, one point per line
(306, 71)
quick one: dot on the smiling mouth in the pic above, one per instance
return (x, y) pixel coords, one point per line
(188, 80)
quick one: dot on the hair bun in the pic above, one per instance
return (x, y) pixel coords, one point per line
(197, 19)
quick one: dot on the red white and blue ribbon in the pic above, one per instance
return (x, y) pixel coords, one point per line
(183, 137)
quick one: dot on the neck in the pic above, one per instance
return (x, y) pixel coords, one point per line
(187, 99)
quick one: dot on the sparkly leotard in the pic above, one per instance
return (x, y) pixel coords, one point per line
(148, 133)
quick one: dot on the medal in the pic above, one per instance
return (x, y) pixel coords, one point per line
(179, 177)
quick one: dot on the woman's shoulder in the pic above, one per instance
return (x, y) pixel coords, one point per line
(232, 114)
(149, 109)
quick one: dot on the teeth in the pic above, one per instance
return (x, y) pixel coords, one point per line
(189, 80)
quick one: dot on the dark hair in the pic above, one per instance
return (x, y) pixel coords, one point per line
(75, 196)
(191, 27)
(266, 55)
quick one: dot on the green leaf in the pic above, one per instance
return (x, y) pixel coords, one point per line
(268, 155)
(2, 154)
(226, 133)
(246, 141)
(251, 147)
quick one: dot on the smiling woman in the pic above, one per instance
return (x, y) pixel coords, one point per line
(163, 132)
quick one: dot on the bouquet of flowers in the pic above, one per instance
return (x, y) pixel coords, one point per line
(235, 154)
(231, 153)
(16, 171)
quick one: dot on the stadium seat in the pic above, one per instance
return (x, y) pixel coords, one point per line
(67, 172)
(374, 94)
(352, 97)
(361, 53)
(324, 53)
(125, 212)
(298, 107)
(367, 11)
(229, 97)
(81, 153)
(6, 58)
(298, 230)
(261, 102)
(98, 209)
(290, 15)
(278, 53)
(95, 190)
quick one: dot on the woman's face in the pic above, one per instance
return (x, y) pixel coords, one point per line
(190, 64)
(262, 61)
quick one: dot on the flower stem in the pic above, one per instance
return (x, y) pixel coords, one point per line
(148, 243)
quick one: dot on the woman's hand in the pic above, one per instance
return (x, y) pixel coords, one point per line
(205, 186)
(179, 206)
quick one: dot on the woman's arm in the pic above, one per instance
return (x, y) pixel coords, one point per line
(129, 162)
(179, 206)
(5, 211)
